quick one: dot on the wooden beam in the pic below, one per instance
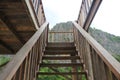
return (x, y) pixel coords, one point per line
(10, 26)
(14, 64)
(60, 73)
(6, 46)
(60, 57)
(60, 52)
(60, 64)
(61, 48)
(94, 7)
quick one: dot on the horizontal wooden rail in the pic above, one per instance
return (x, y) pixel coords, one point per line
(54, 36)
(59, 32)
(26, 58)
(101, 59)
(61, 73)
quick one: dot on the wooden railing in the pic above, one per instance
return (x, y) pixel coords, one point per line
(60, 37)
(36, 11)
(87, 12)
(25, 63)
(99, 64)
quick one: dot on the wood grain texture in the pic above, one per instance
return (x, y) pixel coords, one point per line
(20, 56)
(108, 59)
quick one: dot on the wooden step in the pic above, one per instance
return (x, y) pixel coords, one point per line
(60, 57)
(60, 73)
(60, 52)
(61, 64)
(60, 48)
(60, 44)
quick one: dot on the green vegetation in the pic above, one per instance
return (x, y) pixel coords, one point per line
(117, 57)
(56, 77)
(57, 69)
(109, 41)
(4, 60)
(51, 77)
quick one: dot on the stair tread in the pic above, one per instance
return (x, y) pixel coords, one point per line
(60, 51)
(59, 73)
(60, 64)
(60, 48)
(60, 57)
(64, 44)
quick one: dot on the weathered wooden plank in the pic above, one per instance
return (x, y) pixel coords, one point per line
(108, 59)
(60, 64)
(20, 56)
(3, 50)
(87, 12)
(60, 73)
(60, 57)
(94, 7)
(10, 27)
(9, 1)
(6, 46)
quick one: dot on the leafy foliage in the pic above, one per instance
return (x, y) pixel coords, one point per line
(117, 57)
(4, 60)
(57, 69)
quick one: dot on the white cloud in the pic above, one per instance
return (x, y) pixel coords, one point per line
(61, 10)
(108, 15)
(107, 18)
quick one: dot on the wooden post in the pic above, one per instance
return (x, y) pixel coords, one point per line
(74, 69)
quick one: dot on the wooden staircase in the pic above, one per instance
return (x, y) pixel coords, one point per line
(62, 54)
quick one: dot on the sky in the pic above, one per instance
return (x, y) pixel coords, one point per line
(106, 19)
(57, 11)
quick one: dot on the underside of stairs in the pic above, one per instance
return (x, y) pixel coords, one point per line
(62, 55)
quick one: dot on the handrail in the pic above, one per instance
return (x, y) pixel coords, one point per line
(109, 60)
(13, 66)
(87, 12)
(37, 13)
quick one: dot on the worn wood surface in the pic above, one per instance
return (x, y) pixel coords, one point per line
(14, 65)
(87, 12)
(108, 59)
(17, 24)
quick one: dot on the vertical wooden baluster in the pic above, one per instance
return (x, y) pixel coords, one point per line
(102, 69)
(32, 64)
(21, 72)
(26, 68)
(29, 66)
(98, 71)
(108, 73)
(89, 62)
(93, 63)
(14, 77)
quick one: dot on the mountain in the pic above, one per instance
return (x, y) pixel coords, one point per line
(61, 36)
(108, 41)
(63, 27)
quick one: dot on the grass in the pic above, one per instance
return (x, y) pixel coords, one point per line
(117, 57)
(4, 60)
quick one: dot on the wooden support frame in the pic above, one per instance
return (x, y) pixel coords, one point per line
(12, 68)
(112, 65)
(87, 12)
(94, 7)
(6, 46)
(6, 22)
